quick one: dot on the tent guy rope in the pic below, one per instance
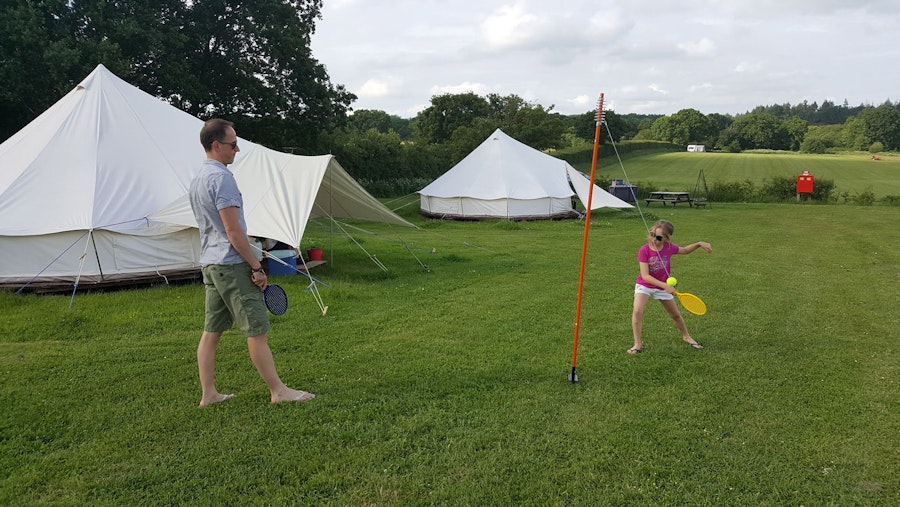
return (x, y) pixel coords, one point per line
(311, 288)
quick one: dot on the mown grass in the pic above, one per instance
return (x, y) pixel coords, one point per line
(447, 385)
(851, 173)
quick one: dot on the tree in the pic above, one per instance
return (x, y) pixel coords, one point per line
(721, 121)
(585, 126)
(854, 135)
(881, 124)
(402, 126)
(528, 123)
(371, 155)
(365, 119)
(758, 131)
(254, 59)
(242, 60)
(448, 112)
(47, 47)
(36, 60)
(820, 138)
(467, 137)
(796, 129)
(687, 126)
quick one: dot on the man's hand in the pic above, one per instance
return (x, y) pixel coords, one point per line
(260, 279)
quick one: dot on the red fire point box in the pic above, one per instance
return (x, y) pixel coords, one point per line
(805, 183)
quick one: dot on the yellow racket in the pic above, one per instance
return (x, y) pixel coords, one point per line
(691, 303)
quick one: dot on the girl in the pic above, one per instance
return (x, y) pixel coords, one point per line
(654, 259)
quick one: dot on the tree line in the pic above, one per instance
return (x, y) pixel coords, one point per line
(248, 61)
(408, 153)
(251, 62)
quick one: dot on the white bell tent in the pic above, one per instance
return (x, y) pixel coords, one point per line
(504, 178)
(79, 183)
(282, 192)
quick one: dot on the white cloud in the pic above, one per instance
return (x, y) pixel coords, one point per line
(580, 101)
(653, 56)
(702, 48)
(374, 88)
(653, 87)
(510, 27)
(342, 4)
(608, 25)
(748, 67)
(412, 110)
(466, 87)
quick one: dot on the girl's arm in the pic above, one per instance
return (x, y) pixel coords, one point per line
(693, 246)
(647, 277)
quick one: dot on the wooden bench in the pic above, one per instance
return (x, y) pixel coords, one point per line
(309, 265)
(670, 197)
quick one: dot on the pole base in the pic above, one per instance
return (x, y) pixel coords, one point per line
(573, 377)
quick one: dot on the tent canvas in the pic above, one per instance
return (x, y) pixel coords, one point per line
(278, 189)
(79, 183)
(504, 178)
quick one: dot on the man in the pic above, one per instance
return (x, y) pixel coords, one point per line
(232, 274)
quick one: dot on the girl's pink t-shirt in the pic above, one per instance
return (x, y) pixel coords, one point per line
(659, 262)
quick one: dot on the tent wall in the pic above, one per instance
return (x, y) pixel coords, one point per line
(511, 209)
(504, 178)
(109, 256)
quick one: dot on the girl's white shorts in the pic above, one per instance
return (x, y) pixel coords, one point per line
(654, 292)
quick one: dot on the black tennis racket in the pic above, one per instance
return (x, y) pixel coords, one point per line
(276, 299)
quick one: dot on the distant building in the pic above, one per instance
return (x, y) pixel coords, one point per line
(696, 147)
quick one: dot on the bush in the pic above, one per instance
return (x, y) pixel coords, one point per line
(733, 191)
(865, 198)
(817, 146)
(395, 187)
(876, 147)
(779, 189)
(733, 147)
(892, 200)
(822, 190)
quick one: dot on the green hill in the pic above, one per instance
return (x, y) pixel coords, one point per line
(853, 173)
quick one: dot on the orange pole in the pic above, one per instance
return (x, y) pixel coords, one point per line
(587, 228)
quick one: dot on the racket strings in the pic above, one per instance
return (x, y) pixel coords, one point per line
(312, 288)
(276, 299)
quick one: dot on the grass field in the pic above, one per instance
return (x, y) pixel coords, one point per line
(448, 386)
(852, 173)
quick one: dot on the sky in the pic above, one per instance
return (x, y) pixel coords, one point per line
(645, 56)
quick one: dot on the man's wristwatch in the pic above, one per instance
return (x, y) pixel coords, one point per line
(258, 270)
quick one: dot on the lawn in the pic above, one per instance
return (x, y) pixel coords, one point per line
(447, 384)
(852, 173)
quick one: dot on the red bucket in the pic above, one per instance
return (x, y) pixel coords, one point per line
(315, 254)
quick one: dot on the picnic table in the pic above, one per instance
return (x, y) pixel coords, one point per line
(670, 197)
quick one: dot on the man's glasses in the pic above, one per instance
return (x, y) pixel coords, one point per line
(232, 144)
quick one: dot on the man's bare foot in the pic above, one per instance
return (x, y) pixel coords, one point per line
(292, 395)
(216, 398)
